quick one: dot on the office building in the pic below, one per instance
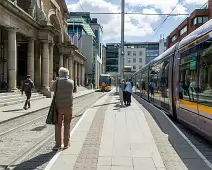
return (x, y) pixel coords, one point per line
(136, 54)
(87, 36)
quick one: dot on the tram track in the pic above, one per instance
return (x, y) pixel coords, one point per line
(24, 120)
(31, 148)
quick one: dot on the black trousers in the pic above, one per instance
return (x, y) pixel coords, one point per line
(28, 95)
(124, 97)
(128, 97)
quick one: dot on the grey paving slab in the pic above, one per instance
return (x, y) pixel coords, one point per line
(143, 163)
(121, 168)
(122, 161)
(133, 144)
(62, 163)
(105, 161)
(103, 167)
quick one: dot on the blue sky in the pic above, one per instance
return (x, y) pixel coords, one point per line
(137, 27)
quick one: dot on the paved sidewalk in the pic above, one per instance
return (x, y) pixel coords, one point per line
(110, 138)
(14, 111)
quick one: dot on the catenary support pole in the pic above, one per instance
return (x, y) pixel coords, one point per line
(122, 40)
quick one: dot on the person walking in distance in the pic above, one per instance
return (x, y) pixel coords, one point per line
(63, 88)
(27, 87)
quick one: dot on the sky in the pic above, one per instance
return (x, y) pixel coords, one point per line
(138, 28)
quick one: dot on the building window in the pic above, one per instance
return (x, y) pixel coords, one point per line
(184, 30)
(140, 67)
(134, 67)
(134, 60)
(140, 60)
(194, 21)
(140, 53)
(134, 53)
(128, 53)
(199, 20)
(129, 60)
(174, 38)
(205, 19)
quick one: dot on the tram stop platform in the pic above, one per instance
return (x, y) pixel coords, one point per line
(111, 137)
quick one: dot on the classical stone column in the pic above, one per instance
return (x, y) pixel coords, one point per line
(50, 62)
(31, 59)
(65, 62)
(78, 74)
(75, 77)
(38, 65)
(70, 68)
(12, 59)
(45, 66)
(83, 74)
(61, 60)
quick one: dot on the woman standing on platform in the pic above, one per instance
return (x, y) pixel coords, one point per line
(128, 90)
(63, 88)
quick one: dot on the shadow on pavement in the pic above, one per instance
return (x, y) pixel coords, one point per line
(36, 162)
(105, 104)
(15, 110)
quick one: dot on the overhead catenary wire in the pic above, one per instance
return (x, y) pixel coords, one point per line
(132, 13)
(168, 15)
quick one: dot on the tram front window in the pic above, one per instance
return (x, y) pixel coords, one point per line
(104, 79)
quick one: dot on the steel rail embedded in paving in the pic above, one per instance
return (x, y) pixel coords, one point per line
(39, 144)
(42, 109)
(41, 117)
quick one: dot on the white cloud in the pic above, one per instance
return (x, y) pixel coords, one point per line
(165, 6)
(196, 2)
(135, 25)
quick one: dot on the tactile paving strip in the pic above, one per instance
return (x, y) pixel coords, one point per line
(88, 157)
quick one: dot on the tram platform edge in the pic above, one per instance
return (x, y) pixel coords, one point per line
(110, 137)
(178, 147)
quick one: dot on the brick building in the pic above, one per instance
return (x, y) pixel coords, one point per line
(195, 20)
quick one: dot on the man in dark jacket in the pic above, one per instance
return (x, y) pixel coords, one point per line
(27, 87)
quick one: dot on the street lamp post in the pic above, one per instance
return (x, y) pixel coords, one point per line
(122, 40)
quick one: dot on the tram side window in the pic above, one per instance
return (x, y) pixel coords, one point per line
(188, 75)
(205, 74)
(164, 78)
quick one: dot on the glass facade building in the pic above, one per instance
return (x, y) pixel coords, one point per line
(112, 57)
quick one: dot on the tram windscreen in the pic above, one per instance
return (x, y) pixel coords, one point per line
(105, 79)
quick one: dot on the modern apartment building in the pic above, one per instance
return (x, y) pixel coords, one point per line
(194, 21)
(87, 36)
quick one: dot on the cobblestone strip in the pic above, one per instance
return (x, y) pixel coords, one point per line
(88, 157)
(40, 159)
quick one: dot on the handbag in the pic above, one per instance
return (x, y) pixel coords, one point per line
(53, 113)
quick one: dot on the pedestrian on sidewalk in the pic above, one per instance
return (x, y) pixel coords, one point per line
(64, 106)
(128, 90)
(27, 87)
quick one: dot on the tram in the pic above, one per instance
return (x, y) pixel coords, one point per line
(108, 80)
(179, 81)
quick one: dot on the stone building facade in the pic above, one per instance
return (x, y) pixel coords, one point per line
(34, 40)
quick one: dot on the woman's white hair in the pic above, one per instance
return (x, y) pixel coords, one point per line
(63, 72)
